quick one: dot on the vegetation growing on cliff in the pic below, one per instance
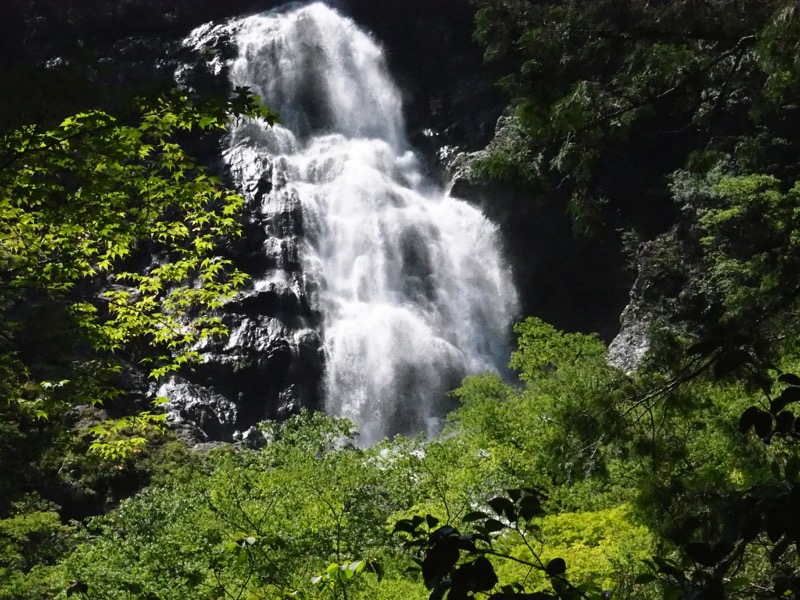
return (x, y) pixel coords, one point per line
(678, 480)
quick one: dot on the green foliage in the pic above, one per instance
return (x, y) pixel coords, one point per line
(542, 348)
(31, 538)
(666, 444)
(118, 439)
(80, 199)
(551, 432)
(722, 289)
(605, 547)
(646, 114)
(339, 575)
(109, 224)
(744, 227)
(304, 517)
(109, 254)
(31, 541)
(610, 97)
(503, 555)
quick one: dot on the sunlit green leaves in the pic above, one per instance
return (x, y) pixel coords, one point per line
(83, 198)
(543, 349)
(113, 219)
(302, 518)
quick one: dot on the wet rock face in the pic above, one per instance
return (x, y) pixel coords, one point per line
(272, 363)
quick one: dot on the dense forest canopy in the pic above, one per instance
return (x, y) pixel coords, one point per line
(672, 123)
(611, 98)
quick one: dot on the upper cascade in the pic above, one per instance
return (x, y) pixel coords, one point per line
(404, 285)
(320, 72)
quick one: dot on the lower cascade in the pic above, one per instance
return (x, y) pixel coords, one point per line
(402, 287)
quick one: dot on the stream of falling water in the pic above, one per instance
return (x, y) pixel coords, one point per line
(413, 291)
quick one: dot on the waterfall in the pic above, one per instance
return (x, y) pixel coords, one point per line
(409, 285)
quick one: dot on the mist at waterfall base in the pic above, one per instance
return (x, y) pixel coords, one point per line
(409, 284)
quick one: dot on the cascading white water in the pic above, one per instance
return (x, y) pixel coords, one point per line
(410, 283)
